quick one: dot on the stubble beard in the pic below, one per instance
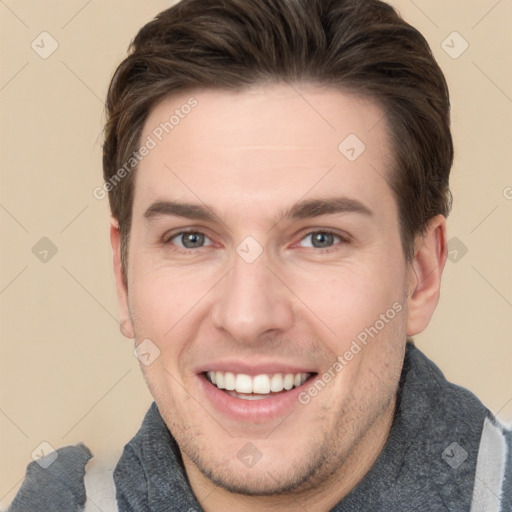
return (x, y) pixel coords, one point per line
(329, 458)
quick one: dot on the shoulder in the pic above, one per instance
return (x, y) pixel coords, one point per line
(474, 445)
(60, 481)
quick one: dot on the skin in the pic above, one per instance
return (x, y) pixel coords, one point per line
(250, 156)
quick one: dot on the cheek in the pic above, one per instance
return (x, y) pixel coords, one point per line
(352, 301)
(168, 306)
(161, 296)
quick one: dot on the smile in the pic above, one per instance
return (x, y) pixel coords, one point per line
(241, 385)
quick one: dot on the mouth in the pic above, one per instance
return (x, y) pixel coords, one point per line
(258, 387)
(257, 398)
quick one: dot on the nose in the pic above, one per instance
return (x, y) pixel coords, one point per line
(252, 301)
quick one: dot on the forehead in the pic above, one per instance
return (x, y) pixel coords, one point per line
(263, 144)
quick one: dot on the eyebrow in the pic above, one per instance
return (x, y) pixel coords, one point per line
(178, 209)
(302, 210)
(317, 207)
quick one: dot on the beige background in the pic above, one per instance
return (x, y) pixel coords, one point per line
(67, 374)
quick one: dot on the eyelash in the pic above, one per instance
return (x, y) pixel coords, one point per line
(166, 240)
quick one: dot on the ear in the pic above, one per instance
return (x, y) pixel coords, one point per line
(424, 276)
(125, 324)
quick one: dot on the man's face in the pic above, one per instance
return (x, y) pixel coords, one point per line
(260, 249)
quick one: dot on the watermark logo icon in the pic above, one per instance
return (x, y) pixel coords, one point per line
(44, 45)
(249, 455)
(457, 249)
(249, 249)
(146, 352)
(44, 250)
(454, 45)
(454, 455)
(45, 454)
(351, 147)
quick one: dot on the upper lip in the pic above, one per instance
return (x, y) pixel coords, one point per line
(252, 368)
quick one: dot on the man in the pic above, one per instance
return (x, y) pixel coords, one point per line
(278, 179)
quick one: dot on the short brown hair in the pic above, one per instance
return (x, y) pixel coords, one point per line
(357, 46)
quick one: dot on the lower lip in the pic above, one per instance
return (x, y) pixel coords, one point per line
(254, 411)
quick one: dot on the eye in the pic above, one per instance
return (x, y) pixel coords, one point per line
(190, 240)
(320, 240)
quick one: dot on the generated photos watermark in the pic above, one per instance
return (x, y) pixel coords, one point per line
(357, 345)
(151, 142)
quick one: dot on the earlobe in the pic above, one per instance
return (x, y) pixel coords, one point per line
(126, 329)
(125, 324)
(425, 271)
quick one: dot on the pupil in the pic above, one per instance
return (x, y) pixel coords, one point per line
(191, 240)
(322, 239)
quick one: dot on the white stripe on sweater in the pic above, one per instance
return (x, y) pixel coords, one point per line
(100, 486)
(490, 469)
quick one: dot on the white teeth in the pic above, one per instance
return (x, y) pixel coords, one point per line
(229, 381)
(243, 383)
(258, 385)
(261, 384)
(219, 380)
(276, 382)
(288, 381)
